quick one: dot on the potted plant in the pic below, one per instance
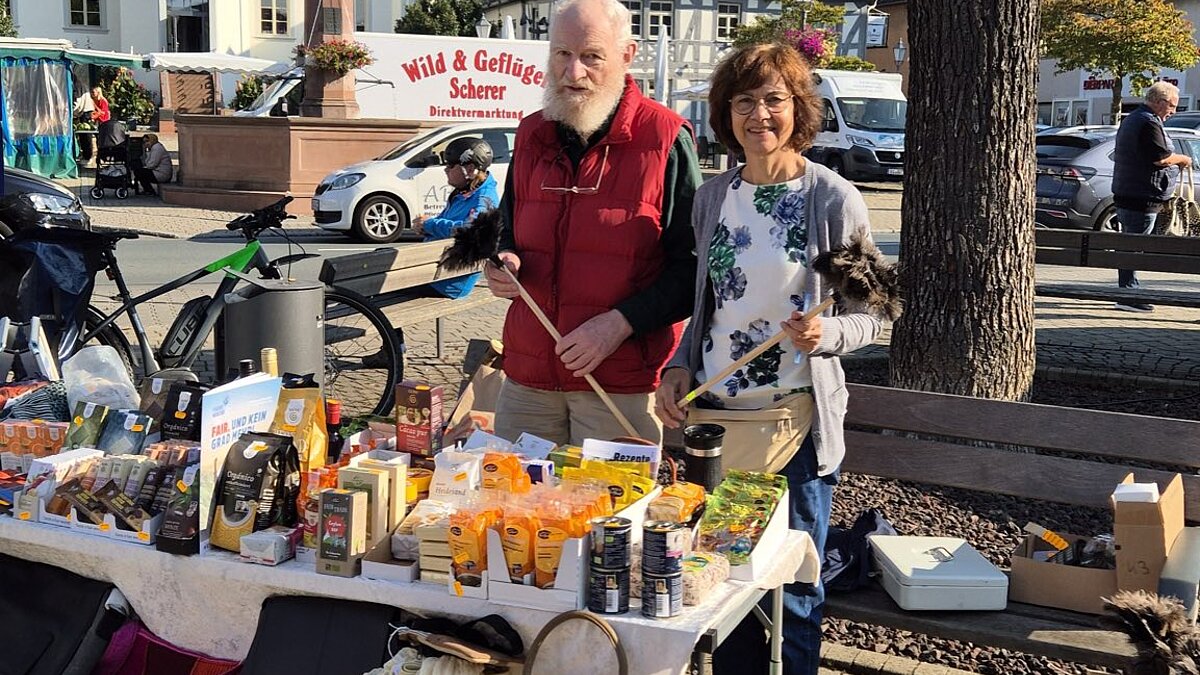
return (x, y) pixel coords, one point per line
(337, 55)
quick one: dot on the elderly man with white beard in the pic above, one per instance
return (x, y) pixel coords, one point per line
(597, 227)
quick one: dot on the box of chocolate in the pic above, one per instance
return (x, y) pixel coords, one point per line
(342, 532)
(418, 418)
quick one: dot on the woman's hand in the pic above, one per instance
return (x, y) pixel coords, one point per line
(499, 283)
(675, 383)
(805, 335)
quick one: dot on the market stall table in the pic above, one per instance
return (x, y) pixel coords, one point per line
(211, 603)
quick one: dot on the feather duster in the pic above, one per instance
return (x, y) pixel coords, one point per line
(474, 244)
(860, 274)
(1166, 642)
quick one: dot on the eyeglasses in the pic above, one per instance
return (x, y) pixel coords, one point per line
(576, 189)
(775, 102)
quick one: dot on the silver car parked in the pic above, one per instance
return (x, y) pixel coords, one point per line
(1074, 175)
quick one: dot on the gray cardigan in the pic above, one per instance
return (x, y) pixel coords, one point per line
(835, 211)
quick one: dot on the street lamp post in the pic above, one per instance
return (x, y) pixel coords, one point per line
(804, 5)
(900, 52)
(483, 27)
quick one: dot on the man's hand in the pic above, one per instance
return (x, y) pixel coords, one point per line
(805, 335)
(586, 347)
(417, 225)
(675, 382)
(499, 283)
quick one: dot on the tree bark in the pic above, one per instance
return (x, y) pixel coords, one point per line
(967, 236)
(1118, 87)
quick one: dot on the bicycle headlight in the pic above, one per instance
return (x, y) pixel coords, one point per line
(54, 204)
(346, 180)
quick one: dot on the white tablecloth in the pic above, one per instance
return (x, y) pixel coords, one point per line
(211, 603)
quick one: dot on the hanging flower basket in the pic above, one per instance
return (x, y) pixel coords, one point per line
(337, 56)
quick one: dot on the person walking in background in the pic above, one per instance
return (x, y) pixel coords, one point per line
(596, 214)
(1141, 172)
(156, 165)
(474, 191)
(758, 227)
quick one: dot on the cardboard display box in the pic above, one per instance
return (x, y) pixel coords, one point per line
(1144, 533)
(1048, 584)
(378, 564)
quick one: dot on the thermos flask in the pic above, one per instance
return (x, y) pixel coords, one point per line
(702, 444)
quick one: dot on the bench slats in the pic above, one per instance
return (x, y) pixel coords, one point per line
(1187, 246)
(1112, 294)
(1157, 262)
(419, 310)
(342, 269)
(1025, 628)
(1094, 432)
(1028, 476)
(1058, 256)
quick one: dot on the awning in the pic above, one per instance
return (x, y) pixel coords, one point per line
(213, 62)
(696, 92)
(61, 50)
(99, 58)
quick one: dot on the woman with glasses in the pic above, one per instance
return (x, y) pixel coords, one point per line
(474, 191)
(758, 226)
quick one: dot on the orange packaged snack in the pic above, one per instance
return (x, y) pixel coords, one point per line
(468, 542)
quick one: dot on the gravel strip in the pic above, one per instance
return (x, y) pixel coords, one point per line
(992, 523)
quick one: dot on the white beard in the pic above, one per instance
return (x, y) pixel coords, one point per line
(583, 112)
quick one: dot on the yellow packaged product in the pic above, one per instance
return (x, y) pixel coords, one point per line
(468, 542)
(517, 537)
(502, 471)
(558, 521)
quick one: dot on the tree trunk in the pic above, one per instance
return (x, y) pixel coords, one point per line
(968, 247)
(1118, 86)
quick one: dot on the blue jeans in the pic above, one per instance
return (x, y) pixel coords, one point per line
(1133, 222)
(746, 649)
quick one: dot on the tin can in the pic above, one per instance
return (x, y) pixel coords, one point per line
(611, 547)
(608, 591)
(664, 545)
(662, 596)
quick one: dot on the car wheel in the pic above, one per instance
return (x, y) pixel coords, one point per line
(97, 193)
(122, 193)
(835, 165)
(1107, 222)
(380, 219)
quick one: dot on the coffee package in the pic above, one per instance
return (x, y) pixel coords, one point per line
(247, 497)
(180, 417)
(86, 425)
(124, 432)
(179, 532)
(300, 415)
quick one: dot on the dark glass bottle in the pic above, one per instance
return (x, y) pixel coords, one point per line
(333, 424)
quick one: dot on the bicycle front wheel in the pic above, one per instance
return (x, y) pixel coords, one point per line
(363, 361)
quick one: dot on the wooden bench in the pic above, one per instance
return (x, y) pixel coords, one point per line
(396, 279)
(1035, 452)
(1112, 250)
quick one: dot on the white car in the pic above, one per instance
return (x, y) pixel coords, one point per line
(376, 201)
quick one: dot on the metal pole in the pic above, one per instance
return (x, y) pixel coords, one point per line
(777, 631)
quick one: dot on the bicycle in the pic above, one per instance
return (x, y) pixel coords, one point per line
(363, 358)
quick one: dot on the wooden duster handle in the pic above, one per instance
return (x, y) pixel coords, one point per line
(753, 354)
(537, 311)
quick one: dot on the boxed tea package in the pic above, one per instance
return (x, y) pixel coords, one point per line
(86, 424)
(270, 546)
(247, 494)
(180, 417)
(376, 484)
(343, 532)
(418, 418)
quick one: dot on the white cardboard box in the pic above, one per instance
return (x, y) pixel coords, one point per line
(570, 584)
(772, 538)
(938, 573)
(378, 564)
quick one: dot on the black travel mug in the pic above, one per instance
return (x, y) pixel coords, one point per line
(702, 444)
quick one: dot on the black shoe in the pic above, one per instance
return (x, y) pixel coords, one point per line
(1134, 307)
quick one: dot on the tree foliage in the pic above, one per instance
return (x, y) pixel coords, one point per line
(795, 15)
(441, 17)
(249, 88)
(7, 28)
(127, 99)
(1134, 38)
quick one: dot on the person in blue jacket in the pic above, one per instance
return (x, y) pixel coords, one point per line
(467, 162)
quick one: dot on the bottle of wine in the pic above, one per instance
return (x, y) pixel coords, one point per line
(270, 361)
(246, 368)
(333, 424)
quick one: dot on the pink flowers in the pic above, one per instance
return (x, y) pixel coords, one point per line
(815, 44)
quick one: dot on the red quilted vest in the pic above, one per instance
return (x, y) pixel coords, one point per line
(581, 254)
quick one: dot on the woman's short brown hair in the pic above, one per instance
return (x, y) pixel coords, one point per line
(751, 67)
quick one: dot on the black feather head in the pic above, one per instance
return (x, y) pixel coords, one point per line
(859, 274)
(474, 244)
(1166, 641)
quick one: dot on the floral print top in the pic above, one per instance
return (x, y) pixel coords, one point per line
(757, 266)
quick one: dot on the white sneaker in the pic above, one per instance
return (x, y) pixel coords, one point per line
(1134, 307)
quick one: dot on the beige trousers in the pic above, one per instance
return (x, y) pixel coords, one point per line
(571, 416)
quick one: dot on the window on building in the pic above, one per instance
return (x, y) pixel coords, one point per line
(659, 17)
(635, 11)
(360, 15)
(274, 17)
(728, 18)
(86, 13)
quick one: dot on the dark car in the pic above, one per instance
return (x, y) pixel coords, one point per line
(33, 201)
(1184, 120)
(1074, 175)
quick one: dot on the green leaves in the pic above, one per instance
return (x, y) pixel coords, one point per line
(441, 17)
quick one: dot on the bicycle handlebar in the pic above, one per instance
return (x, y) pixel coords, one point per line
(271, 215)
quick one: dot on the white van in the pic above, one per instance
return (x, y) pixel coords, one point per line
(862, 135)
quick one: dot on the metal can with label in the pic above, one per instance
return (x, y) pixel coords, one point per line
(664, 545)
(662, 596)
(608, 591)
(611, 545)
